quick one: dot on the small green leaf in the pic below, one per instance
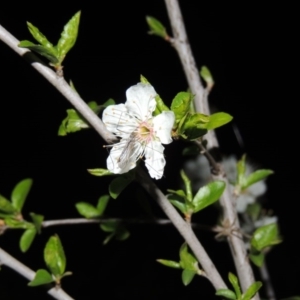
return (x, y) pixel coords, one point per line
(208, 194)
(54, 256)
(265, 236)
(241, 170)
(180, 205)
(68, 36)
(122, 233)
(255, 177)
(100, 172)
(194, 126)
(257, 259)
(109, 226)
(27, 239)
(226, 293)
(18, 224)
(37, 220)
(218, 119)
(252, 290)
(102, 203)
(87, 210)
(156, 27)
(187, 276)
(181, 105)
(20, 192)
(187, 260)
(206, 75)
(120, 183)
(39, 37)
(254, 210)
(41, 277)
(179, 193)
(169, 263)
(188, 186)
(235, 283)
(108, 238)
(41, 50)
(292, 298)
(6, 206)
(110, 101)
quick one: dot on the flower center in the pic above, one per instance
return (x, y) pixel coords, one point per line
(145, 132)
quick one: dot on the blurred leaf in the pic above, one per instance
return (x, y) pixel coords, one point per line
(122, 233)
(120, 183)
(68, 36)
(87, 210)
(241, 170)
(179, 193)
(27, 239)
(206, 75)
(265, 236)
(292, 298)
(100, 172)
(235, 284)
(169, 263)
(252, 290)
(190, 150)
(257, 259)
(255, 177)
(181, 105)
(41, 277)
(41, 50)
(156, 27)
(208, 194)
(20, 192)
(253, 210)
(18, 224)
(37, 220)
(109, 226)
(187, 276)
(102, 204)
(6, 206)
(218, 119)
(226, 293)
(54, 256)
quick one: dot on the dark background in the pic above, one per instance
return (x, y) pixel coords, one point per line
(246, 48)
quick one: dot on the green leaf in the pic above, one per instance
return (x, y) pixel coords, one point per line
(54, 256)
(208, 194)
(156, 27)
(39, 37)
(102, 204)
(18, 224)
(226, 293)
(180, 205)
(100, 172)
(109, 102)
(194, 126)
(41, 50)
(252, 290)
(37, 220)
(254, 210)
(169, 263)
(109, 226)
(292, 298)
(27, 239)
(235, 283)
(265, 236)
(241, 170)
(41, 277)
(187, 260)
(179, 193)
(181, 105)
(187, 276)
(188, 186)
(255, 177)
(68, 36)
(206, 75)
(108, 238)
(87, 210)
(257, 259)
(6, 206)
(20, 192)
(218, 119)
(122, 233)
(120, 183)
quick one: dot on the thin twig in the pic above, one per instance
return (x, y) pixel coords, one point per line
(267, 283)
(146, 182)
(9, 261)
(181, 44)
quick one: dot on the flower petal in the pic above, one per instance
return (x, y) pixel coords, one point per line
(155, 160)
(162, 125)
(141, 100)
(118, 121)
(123, 156)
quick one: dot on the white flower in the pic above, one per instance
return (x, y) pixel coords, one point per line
(141, 134)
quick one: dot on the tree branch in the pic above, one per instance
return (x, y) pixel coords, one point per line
(181, 44)
(9, 261)
(60, 84)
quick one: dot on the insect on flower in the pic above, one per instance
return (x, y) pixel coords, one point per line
(141, 133)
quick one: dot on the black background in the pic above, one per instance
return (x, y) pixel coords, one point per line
(246, 47)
